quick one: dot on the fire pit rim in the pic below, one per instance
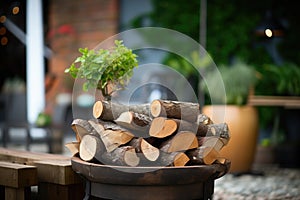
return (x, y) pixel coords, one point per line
(151, 175)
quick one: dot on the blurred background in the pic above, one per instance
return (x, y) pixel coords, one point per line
(259, 35)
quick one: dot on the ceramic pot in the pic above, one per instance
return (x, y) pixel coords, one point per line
(243, 126)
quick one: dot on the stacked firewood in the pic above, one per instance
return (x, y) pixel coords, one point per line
(162, 133)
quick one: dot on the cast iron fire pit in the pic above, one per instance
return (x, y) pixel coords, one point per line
(143, 183)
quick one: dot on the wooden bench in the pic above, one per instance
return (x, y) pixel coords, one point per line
(16, 180)
(56, 179)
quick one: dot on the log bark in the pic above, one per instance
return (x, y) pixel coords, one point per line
(142, 147)
(174, 159)
(182, 141)
(162, 127)
(174, 109)
(203, 155)
(91, 148)
(204, 119)
(81, 127)
(109, 125)
(98, 127)
(122, 156)
(109, 111)
(134, 121)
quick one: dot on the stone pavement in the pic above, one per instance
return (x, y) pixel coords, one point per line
(275, 183)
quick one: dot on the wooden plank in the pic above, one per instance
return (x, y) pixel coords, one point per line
(17, 193)
(285, 101)
(17, 175)
(51, 168)
(56, 171)
(20, 156)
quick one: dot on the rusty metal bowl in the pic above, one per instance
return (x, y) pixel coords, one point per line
(122, 182)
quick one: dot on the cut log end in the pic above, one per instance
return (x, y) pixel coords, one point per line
(162, 127)
(149, 151)
(181, 159)
(97, 109)
(182, 141)
(131, 158)
(156, 108)
(88, 148)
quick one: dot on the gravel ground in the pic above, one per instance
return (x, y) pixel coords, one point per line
(274, 183)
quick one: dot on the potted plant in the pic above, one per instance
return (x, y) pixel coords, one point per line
(107, 70)
(242, 119)
(284, 81)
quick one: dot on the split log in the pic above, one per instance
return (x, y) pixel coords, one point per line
(91, 148)
(111, 134)
(162, 127)
(175, 109)
(73, 147)
(203, 155)
(112, 139)
(214, 142)
(183, 140)
(220, 130)
(98, 127)
(142, 147)
(109, 125)
(123, 156)
(221, 160)
(81, 127)
(109, 111)
(134, 121)
(204, 119)
(174, 159)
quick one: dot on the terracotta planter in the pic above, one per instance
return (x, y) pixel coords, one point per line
(243, 125)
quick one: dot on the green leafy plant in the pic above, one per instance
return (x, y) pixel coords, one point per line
(280, 80)
(108, 70)
(237, 78)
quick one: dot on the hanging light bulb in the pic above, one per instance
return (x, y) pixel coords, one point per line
(269, 27)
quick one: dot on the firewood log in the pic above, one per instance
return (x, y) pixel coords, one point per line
(202, 155)
(162, 127)
(220, 130)
(204, 119)
(112, 139)
(81, 127)
(142, 147)
(175, 109)
(174, 159)
(91, 148)
(122, 156)
(211, 141)
(98, 127)
(109, 111)
(182, 141)
(73, 147)
(134, 121)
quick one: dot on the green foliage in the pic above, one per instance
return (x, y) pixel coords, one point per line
(229, 26)
(188, 68)
(104, 67)
(43, 119)
(182, 16)
(280, 80)
(237, 78)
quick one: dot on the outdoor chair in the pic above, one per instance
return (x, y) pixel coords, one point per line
(15, 120)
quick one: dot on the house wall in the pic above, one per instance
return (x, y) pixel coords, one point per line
(75, 24)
